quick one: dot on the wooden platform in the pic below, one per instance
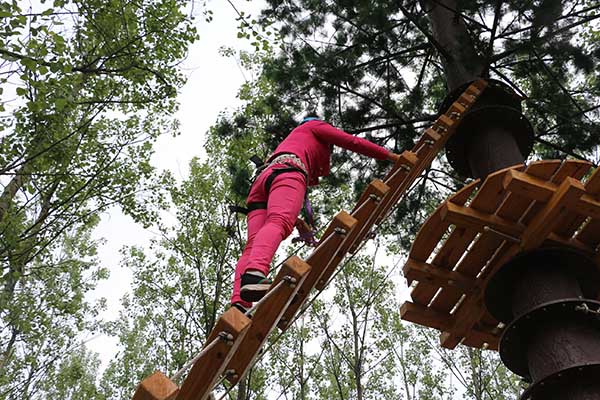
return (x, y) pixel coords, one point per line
(472, 234)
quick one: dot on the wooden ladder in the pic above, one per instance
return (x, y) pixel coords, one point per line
(236, 341)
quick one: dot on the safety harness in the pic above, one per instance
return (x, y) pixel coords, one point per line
(292, 164)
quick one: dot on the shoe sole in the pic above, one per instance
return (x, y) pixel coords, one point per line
(254, 292)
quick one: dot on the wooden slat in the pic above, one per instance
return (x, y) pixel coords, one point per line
(476, 220)
(472, 310)
(566, 196)
(569, 168)
(570, 224)
(514, 206)
(423, 272)
(267, 315)
(156, 387)
(426, 240)
(201, 380)
(426, 316)
(542, 191)
(319, 260)
(404, 163)
(364, 220)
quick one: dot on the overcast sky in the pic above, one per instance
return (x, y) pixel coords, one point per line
(212, 85)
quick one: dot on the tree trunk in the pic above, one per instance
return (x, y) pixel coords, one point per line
(460, 60)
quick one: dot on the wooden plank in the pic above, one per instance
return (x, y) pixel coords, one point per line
(201, 380)
(590, 232)
(570, 224)
(425, 316)
(436, 276)
(267, 315)
(364, 221)
(434, 228)
(566, 196)
(476, 220)
(568, 168)
(514, 206)
(319, 260)
(156, 387)
(456, 111)
(541, 191)
(472, 309)
(428, 237)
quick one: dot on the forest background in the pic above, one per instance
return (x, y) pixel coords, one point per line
(91, 89)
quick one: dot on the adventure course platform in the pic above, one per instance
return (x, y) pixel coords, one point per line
(478, 229)
(235, 342)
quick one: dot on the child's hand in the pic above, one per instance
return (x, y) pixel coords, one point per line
(306, 233)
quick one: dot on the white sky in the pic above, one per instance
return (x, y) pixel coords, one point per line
(213, 82)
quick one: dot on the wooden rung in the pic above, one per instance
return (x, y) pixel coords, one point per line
(423, 272)
(406, 161)
(467, 99)
(480, 84)
(267, 316)
(444, 125)
(206, 372)
(456, 111)
(566, 196)
(321, 258)
(476, 220)
(156, 387)
(474, 90)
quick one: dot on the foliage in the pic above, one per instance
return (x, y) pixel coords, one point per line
(87, 87)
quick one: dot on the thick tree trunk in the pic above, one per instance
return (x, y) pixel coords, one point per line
(461, 62)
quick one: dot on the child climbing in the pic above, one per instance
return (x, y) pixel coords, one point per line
(277, 195)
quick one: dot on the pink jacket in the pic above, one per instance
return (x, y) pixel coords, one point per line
(311, 143)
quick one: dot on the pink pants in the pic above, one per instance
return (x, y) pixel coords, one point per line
(268, 228)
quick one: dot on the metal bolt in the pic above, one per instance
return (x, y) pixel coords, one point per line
(340, 231)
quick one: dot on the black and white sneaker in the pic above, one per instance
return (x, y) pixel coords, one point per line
(254, 286)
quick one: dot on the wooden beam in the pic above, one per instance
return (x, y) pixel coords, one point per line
(436, 276)
(542, 191)
(566, 196)
(156, 387)
(267, 315)
(425, 316)
(206, 372)
(473, 219)
(320, 259)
